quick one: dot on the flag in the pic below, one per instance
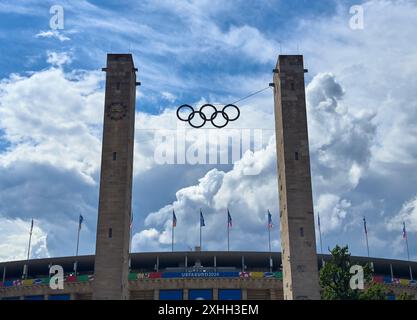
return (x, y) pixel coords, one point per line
(364, 225)
(81, 219)
(404, 231)
(31, 226)
(229, 219)
(202, 224)
(269, 220)
(174, 219)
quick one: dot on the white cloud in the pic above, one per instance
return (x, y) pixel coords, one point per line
(168, 96)
(149, 239)
(248, 40)
(52, 117)
(14, 239)
(333, 211)
(58, 58)
(376, 67)
(247, 197)
(407, 214)
(52, 34)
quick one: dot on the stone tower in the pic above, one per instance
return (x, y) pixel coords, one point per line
(298, 241)
(114, 210)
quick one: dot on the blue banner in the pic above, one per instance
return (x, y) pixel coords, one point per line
(170, 295)
(200, 275)
(200, 294)
(230, 294)
(59, 297)
(33, 298)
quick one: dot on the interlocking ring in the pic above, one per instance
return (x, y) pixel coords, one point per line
(208, 117)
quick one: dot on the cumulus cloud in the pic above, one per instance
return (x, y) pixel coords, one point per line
(52, 117)
(14, 239)
(340, 139)
(52, 123)
(248, 197)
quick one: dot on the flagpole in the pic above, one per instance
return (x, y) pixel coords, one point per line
(228, 238)
(202, 224)
(172, 243)
(25, 268)
(321, 242)
(78, 243)
(228, 232)
(408, 251)
(30, 240)
(408, 256)
(269, 240)
(367, 244)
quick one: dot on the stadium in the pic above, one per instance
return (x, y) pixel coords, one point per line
(185, 276)
(115, 274)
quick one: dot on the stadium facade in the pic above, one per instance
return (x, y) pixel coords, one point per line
(184, 276)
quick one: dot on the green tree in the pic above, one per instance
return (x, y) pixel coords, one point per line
(335, 279)
(405, 296)
(375, 291)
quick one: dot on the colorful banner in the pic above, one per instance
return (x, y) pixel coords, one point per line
(394, 281)
(170, 275)
(150, 275)
(181, 275)
(27, 282)
(71, 278)
(83, 278)
(257, 275)
(200, 274)
(387, 279)
(132, 276)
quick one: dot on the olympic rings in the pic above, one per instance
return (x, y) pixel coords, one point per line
(207, 117)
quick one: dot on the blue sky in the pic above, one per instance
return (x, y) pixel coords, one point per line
(361, 108)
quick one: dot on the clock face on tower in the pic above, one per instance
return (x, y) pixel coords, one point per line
(116, 111)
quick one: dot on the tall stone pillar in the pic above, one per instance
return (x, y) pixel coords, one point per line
(114, 213)
(298, 241)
